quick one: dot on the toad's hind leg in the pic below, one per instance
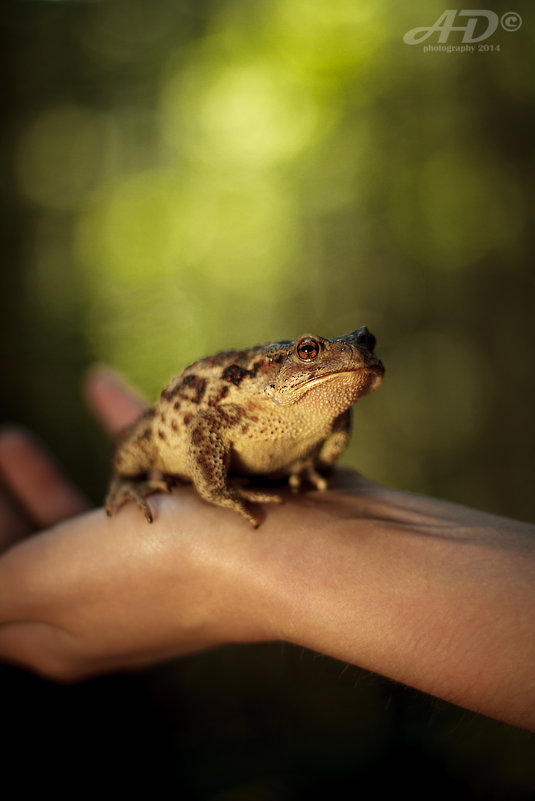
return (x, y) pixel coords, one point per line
(134, 452)
(133, 460)
(123, 489)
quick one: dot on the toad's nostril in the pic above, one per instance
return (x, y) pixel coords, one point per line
(365, 339)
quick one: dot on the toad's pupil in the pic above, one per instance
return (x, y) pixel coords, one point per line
(308, 349)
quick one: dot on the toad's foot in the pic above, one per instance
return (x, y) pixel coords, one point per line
(124, 489)
(237, 497)
(312, 476)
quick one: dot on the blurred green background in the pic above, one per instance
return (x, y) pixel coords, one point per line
(184, 176)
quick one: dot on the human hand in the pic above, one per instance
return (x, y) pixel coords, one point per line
(432, 594)
(95, 594)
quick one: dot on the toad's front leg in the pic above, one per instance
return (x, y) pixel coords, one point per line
(324, 457)
(133, 462)
(208, 459)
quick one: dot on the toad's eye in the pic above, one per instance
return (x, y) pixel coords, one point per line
(308, 349)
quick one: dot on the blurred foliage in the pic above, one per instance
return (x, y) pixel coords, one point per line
(189, 177)
(183, 177)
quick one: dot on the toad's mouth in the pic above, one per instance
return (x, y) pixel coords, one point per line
(373, 369)
(365, 379)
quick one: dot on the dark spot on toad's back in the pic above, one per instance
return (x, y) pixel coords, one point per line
(193, 387)
(234, 374)
(221, 395)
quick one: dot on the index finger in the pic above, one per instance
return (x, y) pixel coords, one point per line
(113, 402)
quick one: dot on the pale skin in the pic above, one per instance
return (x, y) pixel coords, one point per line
(434, 595)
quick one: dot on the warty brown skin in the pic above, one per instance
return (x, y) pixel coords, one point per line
(274, 410)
